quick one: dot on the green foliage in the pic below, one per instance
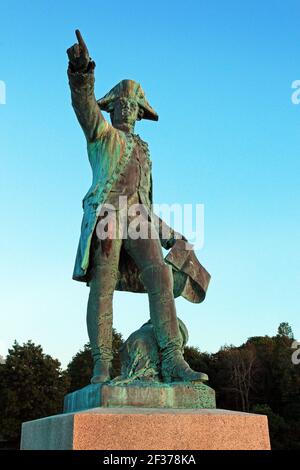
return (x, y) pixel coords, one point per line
(285, 329)
(80, 369)
(32, 385)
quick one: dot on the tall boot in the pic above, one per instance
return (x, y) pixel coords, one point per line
(99, 324)
(158, 280)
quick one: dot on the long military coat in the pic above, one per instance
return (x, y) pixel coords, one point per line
(109, 150)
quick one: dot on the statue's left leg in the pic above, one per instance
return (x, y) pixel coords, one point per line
(157, 278)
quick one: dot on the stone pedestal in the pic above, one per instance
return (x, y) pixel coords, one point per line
(145, 395)
(148, 429)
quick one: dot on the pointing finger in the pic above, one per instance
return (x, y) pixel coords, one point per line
(80, 40)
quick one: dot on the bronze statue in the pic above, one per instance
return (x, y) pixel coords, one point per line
(121, 166)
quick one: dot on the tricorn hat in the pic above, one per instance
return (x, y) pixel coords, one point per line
(129, 89)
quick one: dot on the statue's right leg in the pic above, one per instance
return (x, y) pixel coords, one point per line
(103, 278)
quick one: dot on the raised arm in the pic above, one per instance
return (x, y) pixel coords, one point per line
(81, 81)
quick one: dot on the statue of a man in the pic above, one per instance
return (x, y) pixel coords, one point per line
(121, 166)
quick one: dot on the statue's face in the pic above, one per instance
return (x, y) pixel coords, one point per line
(126, 111)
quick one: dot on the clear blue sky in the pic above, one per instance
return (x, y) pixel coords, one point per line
(219, 74)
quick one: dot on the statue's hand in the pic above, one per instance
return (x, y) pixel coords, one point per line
(173, 239)
(78, 54)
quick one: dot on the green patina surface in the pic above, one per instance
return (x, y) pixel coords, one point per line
(157, 395)
(121, 165)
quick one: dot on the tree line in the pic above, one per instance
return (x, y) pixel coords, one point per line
(258, 377)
